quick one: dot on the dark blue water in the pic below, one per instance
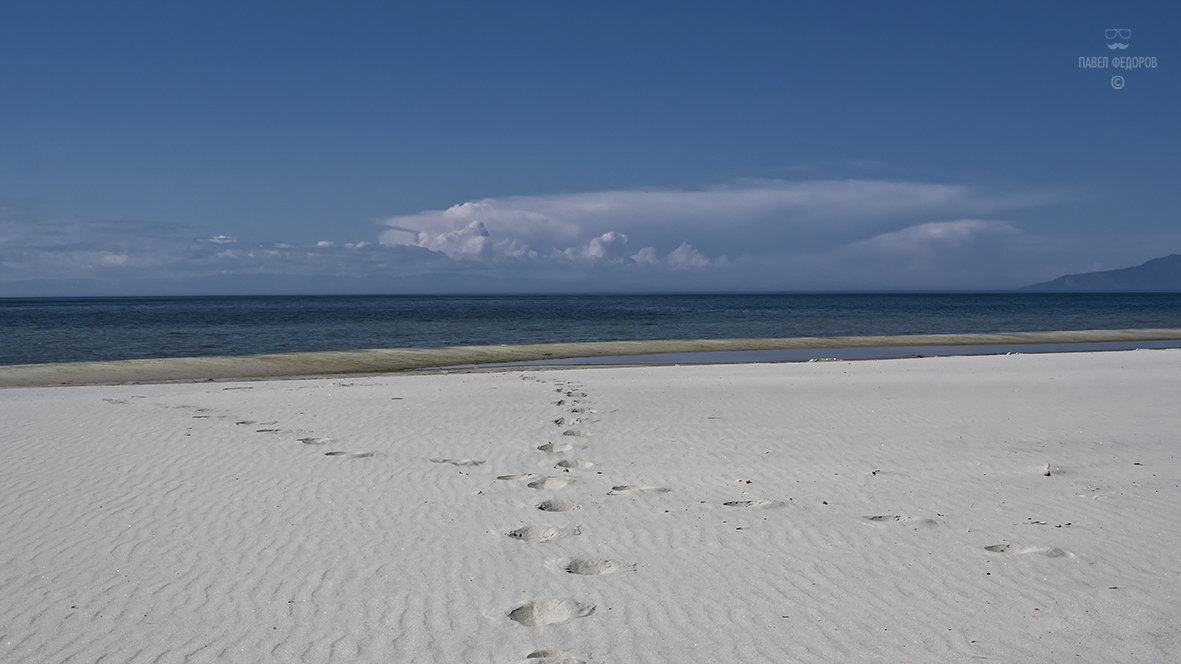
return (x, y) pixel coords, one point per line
(68, 330)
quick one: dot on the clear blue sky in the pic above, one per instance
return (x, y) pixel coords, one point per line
(236, 147)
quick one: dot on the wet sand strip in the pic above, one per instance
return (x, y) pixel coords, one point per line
(384, 361)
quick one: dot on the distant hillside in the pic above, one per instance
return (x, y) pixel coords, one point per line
(1158, 274)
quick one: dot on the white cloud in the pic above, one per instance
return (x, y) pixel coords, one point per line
(757, 217)
(161, 253)
(645, 256)
(935, 236)
(602, 247)
(606, 248)
(958, 254)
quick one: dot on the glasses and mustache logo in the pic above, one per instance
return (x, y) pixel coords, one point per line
(1117, 33)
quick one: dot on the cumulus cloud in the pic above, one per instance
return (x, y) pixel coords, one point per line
(607, 248)
(646, 256)
(747, 218)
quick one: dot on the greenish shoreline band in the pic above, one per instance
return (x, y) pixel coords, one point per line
(384, 361)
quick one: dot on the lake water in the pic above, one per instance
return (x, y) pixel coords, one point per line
(89, 329)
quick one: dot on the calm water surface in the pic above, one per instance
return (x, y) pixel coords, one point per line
(67, 330)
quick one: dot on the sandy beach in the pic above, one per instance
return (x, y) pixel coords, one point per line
(1004, 508)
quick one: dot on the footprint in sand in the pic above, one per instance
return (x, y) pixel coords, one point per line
(460, 462)
(343, 454)
(550, 612)
(552, 448)
(315, 441)
(555, 505)
(900, 519)
(549, 483)
(567, 421)
(535, 534)
(517, 476)
(636, 488)
(574, 464)
(574, 432)
(755, 504)
(1047, 551)
(552, 657)
(590, 566)
(575, 394)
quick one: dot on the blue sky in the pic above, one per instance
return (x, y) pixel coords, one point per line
(311, 147)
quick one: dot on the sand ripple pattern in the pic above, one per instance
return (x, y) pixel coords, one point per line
(192, 523)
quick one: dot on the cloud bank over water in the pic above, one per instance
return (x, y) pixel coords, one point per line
(750, 235)
(668, 226)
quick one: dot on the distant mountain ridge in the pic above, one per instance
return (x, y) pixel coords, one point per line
(1158, 274)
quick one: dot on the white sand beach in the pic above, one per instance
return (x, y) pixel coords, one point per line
(874, 511)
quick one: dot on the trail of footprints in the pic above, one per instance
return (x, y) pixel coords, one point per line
(542, 612)
(539, 613)
(268, 427)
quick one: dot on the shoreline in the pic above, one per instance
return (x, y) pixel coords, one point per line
(841, 354)
(394, 361)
